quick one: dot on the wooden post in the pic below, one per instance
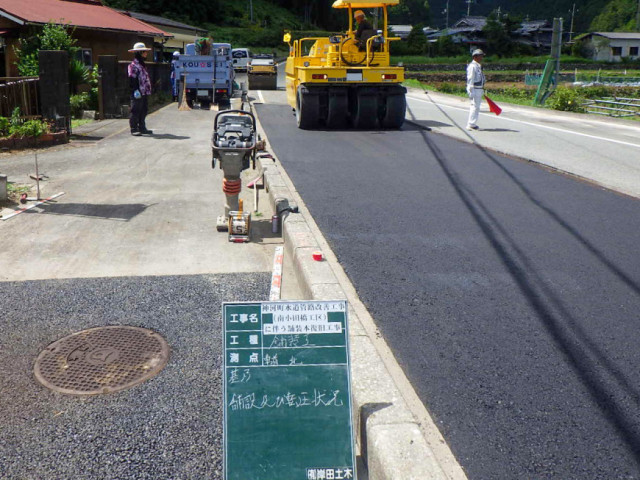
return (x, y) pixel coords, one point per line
(100, 102)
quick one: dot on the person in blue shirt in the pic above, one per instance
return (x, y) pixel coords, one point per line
(174, 84)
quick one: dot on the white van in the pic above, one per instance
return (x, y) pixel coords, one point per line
(241, 58)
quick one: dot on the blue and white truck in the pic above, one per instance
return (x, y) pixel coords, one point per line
(208, 78)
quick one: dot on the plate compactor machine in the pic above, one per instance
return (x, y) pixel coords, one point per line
(234, 146)
(347, 80)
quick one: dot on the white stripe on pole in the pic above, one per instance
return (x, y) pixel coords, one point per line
(276, 277)
(18, 212)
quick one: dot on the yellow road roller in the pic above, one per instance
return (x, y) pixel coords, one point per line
(262, 73)
(346, 80)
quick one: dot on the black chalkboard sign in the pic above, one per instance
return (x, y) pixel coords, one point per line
(287, 391)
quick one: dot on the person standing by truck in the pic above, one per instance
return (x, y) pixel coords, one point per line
(140, 85)
(174, 83)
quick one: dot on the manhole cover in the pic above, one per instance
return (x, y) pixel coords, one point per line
(101, 360)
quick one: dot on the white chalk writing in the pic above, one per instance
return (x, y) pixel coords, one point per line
(315, 399)
(284, 341)
(238, 376)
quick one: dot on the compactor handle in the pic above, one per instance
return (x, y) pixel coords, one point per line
(229, 112)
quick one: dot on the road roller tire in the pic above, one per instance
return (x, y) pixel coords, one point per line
(307, 110)
(338, 111)
(365, 114)
(395, 111)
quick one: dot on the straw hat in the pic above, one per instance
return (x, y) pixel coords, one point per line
(139, 47)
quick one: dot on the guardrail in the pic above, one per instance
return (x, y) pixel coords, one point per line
(614, 106)
(533, 79)
(586, 79)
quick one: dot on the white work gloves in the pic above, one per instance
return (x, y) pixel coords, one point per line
(469, 91)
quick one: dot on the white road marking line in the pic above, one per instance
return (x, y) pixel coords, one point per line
(276, 276)
(620, 142)
(18, 212)
(260, 96)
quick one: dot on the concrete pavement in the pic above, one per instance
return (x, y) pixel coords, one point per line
(131, 242)
(132, 206)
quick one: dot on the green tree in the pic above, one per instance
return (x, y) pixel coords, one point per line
(197, 12)
(499, 32)
(417, 41)
(446, 47)
(411, 12)
(50, 37)
(617, 16)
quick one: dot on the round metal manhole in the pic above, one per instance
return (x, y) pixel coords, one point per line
(101, 360)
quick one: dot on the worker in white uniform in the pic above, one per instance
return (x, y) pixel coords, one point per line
(475, 88)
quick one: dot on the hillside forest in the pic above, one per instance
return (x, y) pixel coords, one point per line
(587, 15)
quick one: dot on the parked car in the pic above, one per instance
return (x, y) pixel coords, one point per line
(241, 58)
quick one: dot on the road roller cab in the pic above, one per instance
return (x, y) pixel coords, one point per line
(343, 80)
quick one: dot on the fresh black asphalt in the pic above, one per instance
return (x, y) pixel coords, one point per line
(168, 428)
(509, 294)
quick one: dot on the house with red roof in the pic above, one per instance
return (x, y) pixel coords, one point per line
(99, 30)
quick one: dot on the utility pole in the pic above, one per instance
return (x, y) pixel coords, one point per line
(556, 46)
(251, 10)
(573, 13)
(638, 17)
(446, 10)
(469, 2)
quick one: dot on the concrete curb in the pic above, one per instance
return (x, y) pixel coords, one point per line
(393, 442)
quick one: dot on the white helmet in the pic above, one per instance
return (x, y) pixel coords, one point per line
(477, 51)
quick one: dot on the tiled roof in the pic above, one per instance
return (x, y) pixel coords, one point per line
(145, 17)
(619, 35)
(471, 23)
(80, 13)
(532, 26)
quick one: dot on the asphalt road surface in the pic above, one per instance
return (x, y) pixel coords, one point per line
(509, 294)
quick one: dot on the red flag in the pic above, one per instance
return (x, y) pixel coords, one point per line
(493, 106)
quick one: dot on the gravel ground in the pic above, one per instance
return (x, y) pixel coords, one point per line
(169, 427)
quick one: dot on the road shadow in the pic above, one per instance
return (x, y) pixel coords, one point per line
(120, 212)
(587, 359)
(499, 130)
(85, 138)
(261, 231)
(429, 123)
(366, 411)
(168, 136)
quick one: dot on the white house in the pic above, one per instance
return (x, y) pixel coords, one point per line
(613, 46)
(400, 31)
